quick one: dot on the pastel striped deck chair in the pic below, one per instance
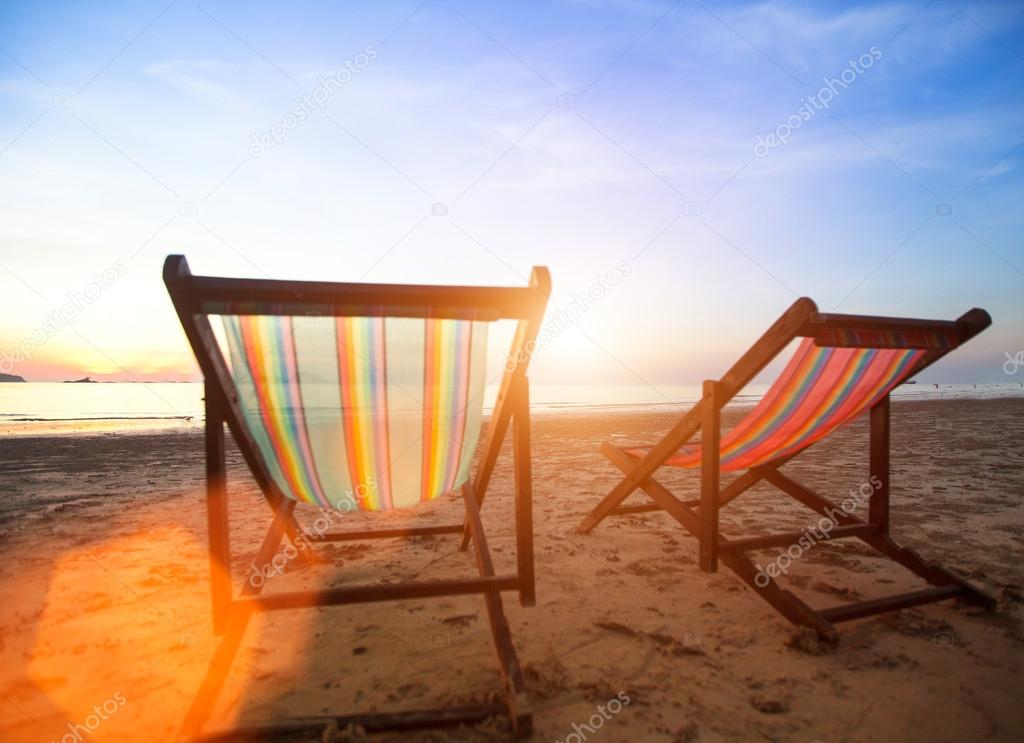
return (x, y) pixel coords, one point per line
(360, 398)
(845, 366)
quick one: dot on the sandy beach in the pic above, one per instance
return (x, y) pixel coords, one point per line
(103, 546)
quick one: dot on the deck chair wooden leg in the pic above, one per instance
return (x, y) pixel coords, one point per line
(234, 620)
(504, 410)
(709, 478)
(218, 672)
(878, 506)
(878, 515)
(524, 496)
(512, 674)
(218, 535)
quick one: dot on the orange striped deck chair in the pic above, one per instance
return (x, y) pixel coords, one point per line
(360, 398)
(844, 366)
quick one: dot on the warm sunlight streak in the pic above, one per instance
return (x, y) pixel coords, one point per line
(125, 628)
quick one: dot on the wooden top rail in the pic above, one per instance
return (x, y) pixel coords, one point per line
(869, 322)
(861, 331)
(217, 295)
(823, 326)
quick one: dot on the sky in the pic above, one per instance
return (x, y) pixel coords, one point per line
(686, 170)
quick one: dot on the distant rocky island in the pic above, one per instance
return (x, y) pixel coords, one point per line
(83, 380)
(11, 378)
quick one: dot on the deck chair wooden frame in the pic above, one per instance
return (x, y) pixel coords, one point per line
(197, 297)
(700, 516)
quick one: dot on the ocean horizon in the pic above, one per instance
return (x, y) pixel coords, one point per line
(50, 408)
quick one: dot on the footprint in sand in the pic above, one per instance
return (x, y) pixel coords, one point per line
(460, 621)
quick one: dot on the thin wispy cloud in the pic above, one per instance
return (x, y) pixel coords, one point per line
(197, 78)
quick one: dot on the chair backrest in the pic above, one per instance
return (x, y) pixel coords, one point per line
(844, 365)
(361, 412)
(353, 396)
(821, 389)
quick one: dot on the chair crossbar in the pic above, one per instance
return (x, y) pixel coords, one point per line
(846, 612)
(382, 722)
(374, 593)
(404, 533)
(643, 508)
(768, 541)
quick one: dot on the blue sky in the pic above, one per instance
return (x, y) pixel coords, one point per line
(585, 136)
